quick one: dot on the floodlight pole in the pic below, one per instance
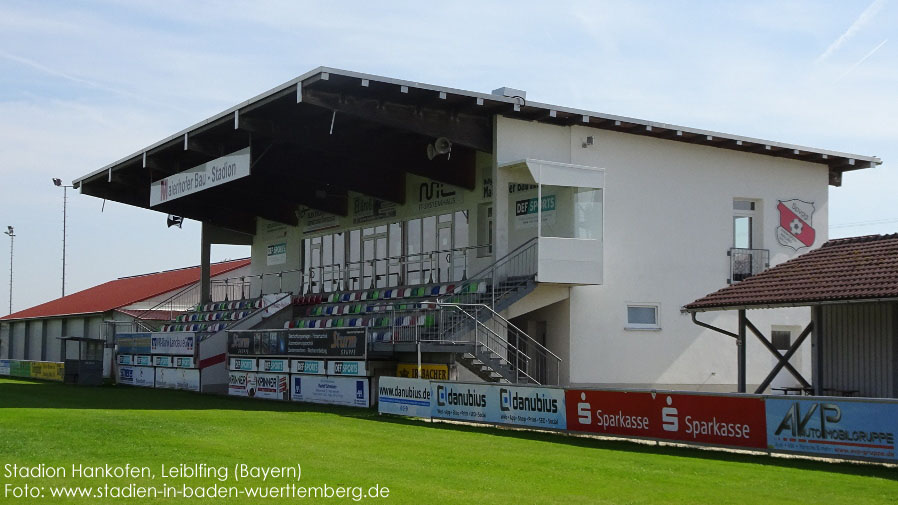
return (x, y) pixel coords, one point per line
(12, 238)
(58, 183)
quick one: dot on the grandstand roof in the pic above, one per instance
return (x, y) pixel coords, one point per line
(368, 131)
(844, 270)
(122, 292)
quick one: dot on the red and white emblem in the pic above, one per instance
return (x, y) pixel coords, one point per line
(795, 228)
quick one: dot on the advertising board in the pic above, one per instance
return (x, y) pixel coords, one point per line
(695, 418)
(404, 397)
(4, 367)
(177, 343)
(310, 366)
(832, 427)
(540, 407)
(274, 365)
(337, 343)
(245, 364)
(143, 360)
(133, 343)
(183, 362)
(178, 378)
(241, 383)
(20, 368)
(125, 359)
(47, 370)
(270, 386)
(428, 371)
(137, 376)
(356, 368)
(348, 391)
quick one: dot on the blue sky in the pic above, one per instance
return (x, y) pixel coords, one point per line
(84, 83)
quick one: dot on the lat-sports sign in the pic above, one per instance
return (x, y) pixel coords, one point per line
(840, 428)
(539, 407)
(795, 228)
(208, 175)
(704, 419)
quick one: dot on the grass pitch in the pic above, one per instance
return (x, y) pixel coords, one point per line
(431, 463)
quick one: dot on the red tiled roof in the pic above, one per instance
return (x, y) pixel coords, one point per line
(857, 268)
(122, 292)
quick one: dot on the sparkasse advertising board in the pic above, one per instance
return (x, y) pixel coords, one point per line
(703, 419)
(541, 407)
(833, 427)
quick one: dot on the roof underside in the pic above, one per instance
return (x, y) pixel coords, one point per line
(330, 131)
(859, 269)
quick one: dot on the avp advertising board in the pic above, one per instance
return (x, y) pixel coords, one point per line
(349, 391)
(705, 419)
(831, 427)
(137, 376)
(405, 397)
(540, 407)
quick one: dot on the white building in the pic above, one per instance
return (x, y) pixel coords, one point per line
(355, 183)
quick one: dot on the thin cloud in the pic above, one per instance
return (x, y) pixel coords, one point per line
(855, 27)
(862, 59)
(85, 82)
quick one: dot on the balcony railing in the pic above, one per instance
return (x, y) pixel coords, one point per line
(747, 262)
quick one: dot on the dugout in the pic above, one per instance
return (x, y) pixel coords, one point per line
(83, 360)
(851, 286)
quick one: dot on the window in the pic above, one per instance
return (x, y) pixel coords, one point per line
(642, 317)
(781, 339)
(744, 213)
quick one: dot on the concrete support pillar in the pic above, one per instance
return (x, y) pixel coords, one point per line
(740, 352)
(205, 265)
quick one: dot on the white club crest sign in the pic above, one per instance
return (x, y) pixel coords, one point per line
(795, 229)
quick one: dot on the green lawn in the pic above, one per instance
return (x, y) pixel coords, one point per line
(420, 463)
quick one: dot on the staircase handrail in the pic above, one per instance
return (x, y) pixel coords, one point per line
(504, 259)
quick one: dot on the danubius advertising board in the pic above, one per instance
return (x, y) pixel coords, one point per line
(540, 407)
(833, 427)
(404, 397)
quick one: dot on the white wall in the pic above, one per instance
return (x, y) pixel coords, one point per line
(668, 226)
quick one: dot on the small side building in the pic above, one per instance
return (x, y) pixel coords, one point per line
(32, 334)
(851, 286)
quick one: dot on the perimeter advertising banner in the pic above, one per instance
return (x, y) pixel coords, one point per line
(158, 361)
(347, 368)
(244, 364)
(4, 367)
(137, 376)
(183, 362)
(274, 365)
(241, 383)
(270, 386)
(838, 428)
(349, 391)
(133, 343)
(178, 378)
(178, 343)
(405, 397)
(47, 370)
(337, 343)
(706, 419)
(20, 368)
(143, 360)
(540, 407)
(311, 366)
(428, 371)
(125, 359)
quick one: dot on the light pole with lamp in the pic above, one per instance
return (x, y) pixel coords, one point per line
(58, 183)
(12, 237)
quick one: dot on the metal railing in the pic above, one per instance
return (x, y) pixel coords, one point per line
(505, 276)
(747, 262)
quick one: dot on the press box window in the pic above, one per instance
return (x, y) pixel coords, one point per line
(642, 317)
(782, 339)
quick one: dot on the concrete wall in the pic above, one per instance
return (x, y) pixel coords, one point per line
(668, 224)
(37, 339)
